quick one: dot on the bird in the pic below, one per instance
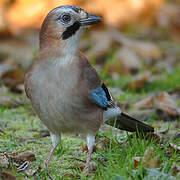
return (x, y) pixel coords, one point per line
(65, 90)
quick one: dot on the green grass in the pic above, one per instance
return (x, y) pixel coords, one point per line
(115, 161)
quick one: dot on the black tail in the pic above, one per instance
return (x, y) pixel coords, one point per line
(127, 123)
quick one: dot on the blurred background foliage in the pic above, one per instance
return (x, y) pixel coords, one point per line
(136, 51)
(135, 48)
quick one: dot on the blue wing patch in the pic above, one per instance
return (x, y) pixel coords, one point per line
(99, 97)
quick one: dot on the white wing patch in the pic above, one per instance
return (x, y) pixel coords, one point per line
(111, 113)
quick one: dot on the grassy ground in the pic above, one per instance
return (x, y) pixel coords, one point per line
(115, 152)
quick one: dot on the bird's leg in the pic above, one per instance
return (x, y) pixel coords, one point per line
(50, 157)
(90, 145)
(88, 159)
(55, 141)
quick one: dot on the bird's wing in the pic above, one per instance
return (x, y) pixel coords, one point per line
(102, 97)
(98, 93)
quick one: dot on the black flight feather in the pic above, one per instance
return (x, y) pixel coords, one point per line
(106, 91)
(128, 123)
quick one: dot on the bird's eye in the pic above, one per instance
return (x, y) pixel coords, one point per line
(66, 18)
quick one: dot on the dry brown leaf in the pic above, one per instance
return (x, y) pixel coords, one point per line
(153, 163)
(142, 115)
(149, 160)
(13, 77)
(26, 157)
(168, 17)
(4, 161)
(69, 175)
(136, 161)
(116, 67)
(7, 176)
(84, 148)
(128, 58)
(100, 146)
(44, 133)
(123, 105)
(175, 169)
(145, 103)
(148, 154)
(102, 42)
(139, 80)
(146, 50)
(4, 68)
(165, 103)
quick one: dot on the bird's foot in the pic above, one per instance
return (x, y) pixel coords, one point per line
(86, 169)
(46, 164)
(89, 167)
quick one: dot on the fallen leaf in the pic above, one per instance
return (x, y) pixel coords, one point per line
(102, 41)
(145, 103)
(139, 80)
(100, 146)
(7, 176)
(168, 17)
(44, 133)
(166, 106)
(84, 148)
(153, 163)
(146, 50)
(20, 161)
(143, 115)
(128, 58)
(163, 104)
(13, 77)
(115, 67)
(4, 161)
(27, 157)
(148, 154)
(149, 160)
(136, 161)
(123, 105)
(175, 169)
(4, 68)
(69, 175)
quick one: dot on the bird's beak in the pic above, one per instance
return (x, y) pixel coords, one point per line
(91, 19)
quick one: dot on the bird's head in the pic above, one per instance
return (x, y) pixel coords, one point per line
(65, 25)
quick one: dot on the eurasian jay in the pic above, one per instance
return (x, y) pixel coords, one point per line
(65, 90)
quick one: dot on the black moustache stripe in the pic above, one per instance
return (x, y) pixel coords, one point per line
(71, 30)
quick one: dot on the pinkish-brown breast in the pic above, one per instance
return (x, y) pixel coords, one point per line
(60, 94)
